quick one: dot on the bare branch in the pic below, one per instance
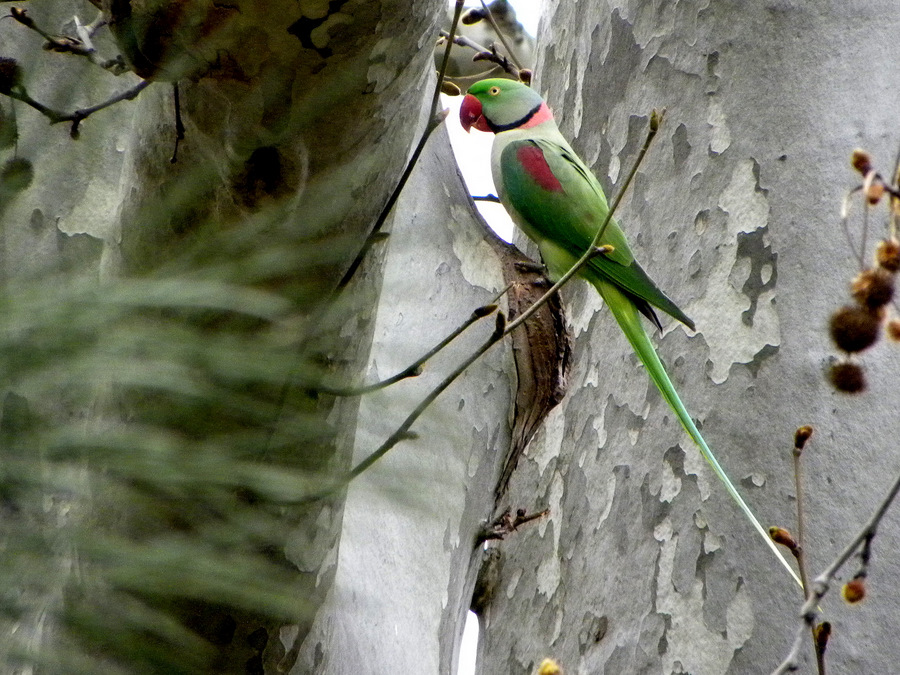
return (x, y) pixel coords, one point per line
(403, 431)
(415, 368)
(506, 45)
(19, 93)
(483, 53)
(66, 44)
(809, 613)
(434, 121)
(801, 437)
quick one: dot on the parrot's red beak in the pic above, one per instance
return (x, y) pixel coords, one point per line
(470, 114)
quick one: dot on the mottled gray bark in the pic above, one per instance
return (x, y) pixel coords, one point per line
(408, 558)
(645, 565)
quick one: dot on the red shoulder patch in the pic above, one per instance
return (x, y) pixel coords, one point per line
(532, 159)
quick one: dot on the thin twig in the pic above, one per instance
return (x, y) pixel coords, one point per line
(798, 489)
(464, 41)
(435, 119)
(415, 368)
(506, 45)
(77, 116)
(845, 217)
(563, 280)
(895, 199)
(872, 178)
(57, 43)
(505, 524)
(800, 439)
(809, 613)
(442, 72)
(179, 123)
(483, 53)
(95, 25)
(403, 431)
(66, 44)
(494, 56)
(865, 232)
(433, 123)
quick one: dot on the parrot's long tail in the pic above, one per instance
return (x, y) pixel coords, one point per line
(629, 320)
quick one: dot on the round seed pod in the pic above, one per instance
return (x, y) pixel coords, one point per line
(873, 288)
(854, 328)
(848, 378)
(887, 255)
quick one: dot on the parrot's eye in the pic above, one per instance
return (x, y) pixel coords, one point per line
(493, 91)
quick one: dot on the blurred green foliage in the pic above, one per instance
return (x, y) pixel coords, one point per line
(159, 438)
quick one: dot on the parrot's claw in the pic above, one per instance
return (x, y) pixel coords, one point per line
(531, 266)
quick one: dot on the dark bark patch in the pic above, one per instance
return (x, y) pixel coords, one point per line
(303, 27)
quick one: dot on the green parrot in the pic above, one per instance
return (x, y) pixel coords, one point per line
(559, 204)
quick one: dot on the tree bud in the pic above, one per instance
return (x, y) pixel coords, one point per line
(821, 633)
(861, 161)
(450, 89)
(473, 16)
(854, 590)
(802, 435)
(893, 329)
(549, 667)
(782, 537)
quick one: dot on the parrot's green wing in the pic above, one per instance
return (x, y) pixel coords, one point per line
(564, 205)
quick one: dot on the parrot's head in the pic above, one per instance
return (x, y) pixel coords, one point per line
(500, 105)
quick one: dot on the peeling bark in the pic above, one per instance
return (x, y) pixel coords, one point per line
(542, 351)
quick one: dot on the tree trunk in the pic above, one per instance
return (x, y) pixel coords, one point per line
(176, 483)
(644, 564)
(408, 556)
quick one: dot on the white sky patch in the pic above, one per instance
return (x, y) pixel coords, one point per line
(528, 12)
(473, 154)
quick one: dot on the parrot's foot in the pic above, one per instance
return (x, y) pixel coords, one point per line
(531, 266)
(506, 523)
